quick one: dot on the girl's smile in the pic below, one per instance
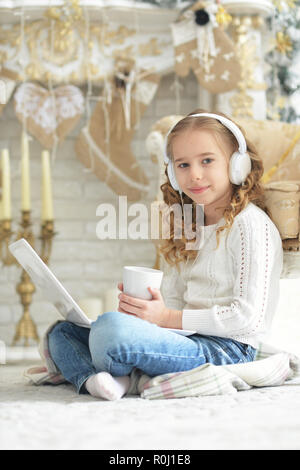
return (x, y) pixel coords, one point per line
(200, 189)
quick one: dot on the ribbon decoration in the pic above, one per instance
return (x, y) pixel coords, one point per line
(127, 80)
(126, 77)
(202, 23)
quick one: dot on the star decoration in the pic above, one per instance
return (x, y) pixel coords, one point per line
(225, 75)
(283, 43)
(228, 55)
(223, 18)
(180, 58)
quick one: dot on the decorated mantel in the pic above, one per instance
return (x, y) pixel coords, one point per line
(101, 64)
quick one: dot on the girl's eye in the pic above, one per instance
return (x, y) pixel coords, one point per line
(179, 166)
(205, 161)
(208, 160)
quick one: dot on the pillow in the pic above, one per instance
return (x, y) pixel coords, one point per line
(282, 201)
(273, 139)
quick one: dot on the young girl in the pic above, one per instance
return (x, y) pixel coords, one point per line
(227, 291)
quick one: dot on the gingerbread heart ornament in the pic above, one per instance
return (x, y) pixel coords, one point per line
(48, 115)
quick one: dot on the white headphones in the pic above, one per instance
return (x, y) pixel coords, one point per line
(240, 162)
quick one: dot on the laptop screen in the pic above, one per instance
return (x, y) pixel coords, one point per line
(46, 281)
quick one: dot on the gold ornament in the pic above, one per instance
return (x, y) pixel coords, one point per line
(281, 102)
(283, 43)
(58, 43)
(223, 18)
(53, 13)
(151, 48)
(241, 101)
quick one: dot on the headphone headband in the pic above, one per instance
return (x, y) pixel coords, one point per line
(226, 122)
(231, 126)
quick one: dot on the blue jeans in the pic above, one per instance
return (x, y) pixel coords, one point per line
(117, 343)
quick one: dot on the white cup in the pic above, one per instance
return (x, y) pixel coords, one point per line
(112, 300)
(136, 281)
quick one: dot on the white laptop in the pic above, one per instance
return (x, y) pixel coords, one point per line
(43, 278)
(52, 289)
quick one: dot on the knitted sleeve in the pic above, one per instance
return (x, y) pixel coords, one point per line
(256, 252)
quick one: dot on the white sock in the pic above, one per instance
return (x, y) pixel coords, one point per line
(104, 385)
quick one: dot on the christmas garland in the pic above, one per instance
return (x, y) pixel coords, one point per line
(283, 93)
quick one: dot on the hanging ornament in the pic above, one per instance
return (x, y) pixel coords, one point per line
(124, 76)
(200, 43)
(48, 115)
(104, 144)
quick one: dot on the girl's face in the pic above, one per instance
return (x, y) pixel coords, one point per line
(202, 168)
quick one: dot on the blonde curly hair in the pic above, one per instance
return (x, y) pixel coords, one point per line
(173, 249)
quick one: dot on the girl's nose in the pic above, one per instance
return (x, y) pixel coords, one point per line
(196, 173)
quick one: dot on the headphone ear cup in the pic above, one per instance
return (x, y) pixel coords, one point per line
(171, 175)
(239, 167)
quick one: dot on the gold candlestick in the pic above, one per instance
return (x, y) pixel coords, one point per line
(25, 231)
(47, 234)
(26, 329)
(5, 237)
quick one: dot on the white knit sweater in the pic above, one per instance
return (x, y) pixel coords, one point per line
(233, 291)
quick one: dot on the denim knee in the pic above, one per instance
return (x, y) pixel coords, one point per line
(107, 334)
(56, 334)
(61, 327)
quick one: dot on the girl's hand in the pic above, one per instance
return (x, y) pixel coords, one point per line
(153, 310)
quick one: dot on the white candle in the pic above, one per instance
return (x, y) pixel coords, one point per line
(112, 300)
(92, 307)
(6, 199)
(25, 204)
(47, 203)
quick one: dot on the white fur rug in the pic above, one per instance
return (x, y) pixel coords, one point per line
(55, 417)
